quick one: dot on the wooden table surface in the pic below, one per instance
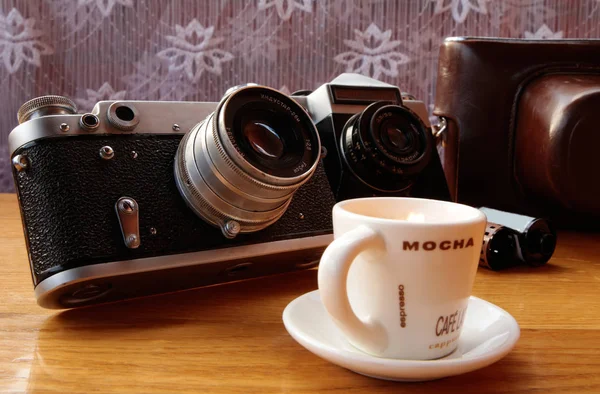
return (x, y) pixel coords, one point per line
(230, 338)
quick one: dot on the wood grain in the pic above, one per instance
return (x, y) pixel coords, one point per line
(230, 338)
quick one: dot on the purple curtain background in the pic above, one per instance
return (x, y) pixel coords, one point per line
(93, 50)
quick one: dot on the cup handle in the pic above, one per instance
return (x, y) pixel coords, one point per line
(333, 274)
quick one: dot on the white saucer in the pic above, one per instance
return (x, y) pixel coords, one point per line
(489, 333)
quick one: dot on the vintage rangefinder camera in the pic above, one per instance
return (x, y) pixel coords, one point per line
(378, 141)
(140, 197)
(522, 126)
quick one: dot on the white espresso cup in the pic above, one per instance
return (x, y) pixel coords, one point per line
(397, 278)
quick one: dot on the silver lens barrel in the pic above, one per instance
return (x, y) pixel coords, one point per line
(230, 186)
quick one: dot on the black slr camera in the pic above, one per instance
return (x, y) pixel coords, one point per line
(141, 197)
(378, 140)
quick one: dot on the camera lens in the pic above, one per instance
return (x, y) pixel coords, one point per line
(384, 145)
(245, 161)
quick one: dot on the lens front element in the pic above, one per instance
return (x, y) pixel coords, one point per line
(271, 140)
(395, 139)
(263, 139)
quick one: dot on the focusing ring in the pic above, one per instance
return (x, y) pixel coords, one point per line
(195, 200)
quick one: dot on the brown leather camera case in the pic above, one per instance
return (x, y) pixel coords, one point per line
(522, 130)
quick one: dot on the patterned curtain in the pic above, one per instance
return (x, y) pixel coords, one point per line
(93, 50)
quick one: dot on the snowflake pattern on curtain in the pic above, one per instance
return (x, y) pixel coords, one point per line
(104, 6)
(194, 51)
(20, 42)
(372, 53)
(286, 7)
(105, 92)
(91, 50)
(460, 8)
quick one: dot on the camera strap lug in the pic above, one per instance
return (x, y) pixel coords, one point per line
(439, 129)
(128, 213)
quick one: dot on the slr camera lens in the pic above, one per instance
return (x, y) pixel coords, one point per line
(384, 145)
(239, 168)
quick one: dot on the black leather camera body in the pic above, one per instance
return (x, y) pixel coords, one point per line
(140, 197)
(378, 141)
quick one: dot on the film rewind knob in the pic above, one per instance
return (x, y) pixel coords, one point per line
(46, 105)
